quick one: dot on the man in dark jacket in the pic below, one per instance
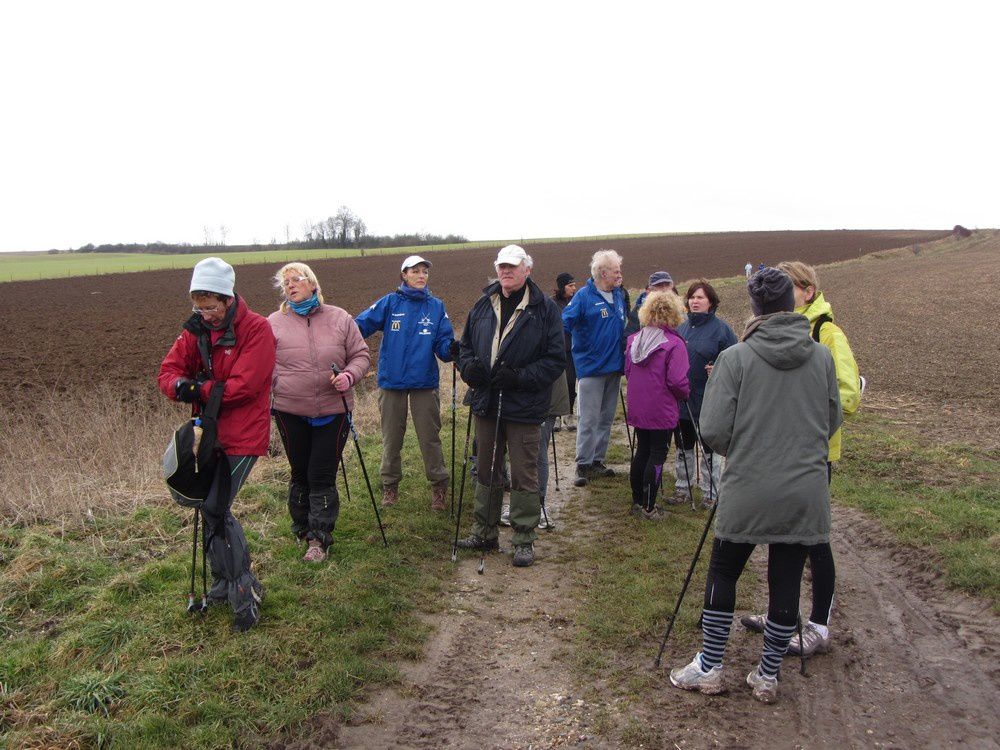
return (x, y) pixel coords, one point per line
(659, 281)
(511, 352)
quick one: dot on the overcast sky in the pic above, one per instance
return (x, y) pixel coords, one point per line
(136, 121)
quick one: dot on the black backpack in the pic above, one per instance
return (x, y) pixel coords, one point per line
(824, 318)
(189, 463)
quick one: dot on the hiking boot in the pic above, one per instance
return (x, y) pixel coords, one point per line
(557, 426)
(219, 593)
(753, 623)
(813, 642)
(637, 510)
(581, 475)
(505, 515)
(439, 491)
(693, 677)
(524, 555)
(707, 504)
(656, 514)
(390, 496)
(680, 497)
(477, 542)
(765, 689)
(315, 553)
(569, 421)
(246, 618)
(598, 469)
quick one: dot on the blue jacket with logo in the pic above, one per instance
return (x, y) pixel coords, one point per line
(414, 328)
(597, 329)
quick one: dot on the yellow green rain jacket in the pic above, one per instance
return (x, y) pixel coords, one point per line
(832, 337)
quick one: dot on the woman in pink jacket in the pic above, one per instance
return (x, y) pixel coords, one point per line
(656, 367)
(308, 404)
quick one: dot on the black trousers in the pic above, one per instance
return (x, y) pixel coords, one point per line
(646, 472)
(314, 455)
(784, 577)
(685, 437)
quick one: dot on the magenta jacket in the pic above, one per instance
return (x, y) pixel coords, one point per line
(307, 345)
(656, 367)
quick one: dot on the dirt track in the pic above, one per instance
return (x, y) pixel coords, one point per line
(913, 665)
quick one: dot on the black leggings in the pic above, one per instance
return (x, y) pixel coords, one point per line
(646, 472)
(685, 437)
(314, 456)
(784, 578)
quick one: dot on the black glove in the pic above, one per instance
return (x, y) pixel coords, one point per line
(453, 349)
(187, 390)
(476, 375)
(505, 378)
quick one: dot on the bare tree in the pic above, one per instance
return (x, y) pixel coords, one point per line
(344, 223)
(209, 235)
(223, 230)
(360, 230)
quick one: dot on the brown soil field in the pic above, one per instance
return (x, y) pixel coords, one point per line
(116, 328)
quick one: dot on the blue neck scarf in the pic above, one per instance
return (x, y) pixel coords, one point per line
(411, 293)
(306, 306)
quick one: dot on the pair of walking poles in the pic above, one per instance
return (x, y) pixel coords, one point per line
(697, 554)
(361, 460)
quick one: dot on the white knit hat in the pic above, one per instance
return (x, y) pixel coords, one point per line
(213, 275)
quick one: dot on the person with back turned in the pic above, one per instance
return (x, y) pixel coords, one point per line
(225, 341)
(511, 352)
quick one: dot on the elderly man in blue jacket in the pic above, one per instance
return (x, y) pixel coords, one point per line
(595, 319)
(415, 328)
(511, 353)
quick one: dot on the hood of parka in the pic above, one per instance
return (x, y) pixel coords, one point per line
(782, 340)
(819, 306)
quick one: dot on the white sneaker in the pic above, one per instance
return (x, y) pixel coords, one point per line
(505, 515)
(542, 522)
(692, 677)
(765, 689)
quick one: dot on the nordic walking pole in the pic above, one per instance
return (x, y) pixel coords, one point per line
(555, 461)
(461, 492)
(802, 651)
(694, 561)
(454, 407)
(343, 470)
(361, 458)
(687, 580)
(493, 465)
(684, 456)
(628, 432)
(687, 474)
(194, 564)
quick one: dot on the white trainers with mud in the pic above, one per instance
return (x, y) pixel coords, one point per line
(765, 689)
(813, 640)
(505, 515)
(692, 677)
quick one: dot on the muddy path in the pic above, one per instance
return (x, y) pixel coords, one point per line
(913, 664)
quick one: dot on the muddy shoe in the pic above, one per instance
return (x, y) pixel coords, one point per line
(598, 469)
(680, 497)
(693, 677)
(753, 623)
(390, 496)
(814, 642)
(557, 426)
(248, 616)
(477, 542)
(656, 514)
(543, 522)
(438, 497)
(582, 470)
(707, 504)
(570, 422)
(765, 689)
(505, 515)
(315, 553)
(637, 510)
(524, 555)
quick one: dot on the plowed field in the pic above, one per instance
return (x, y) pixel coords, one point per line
(66, 334)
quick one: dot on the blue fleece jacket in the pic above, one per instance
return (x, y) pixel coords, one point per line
(597, 329)
(414, 328)
(706, 337)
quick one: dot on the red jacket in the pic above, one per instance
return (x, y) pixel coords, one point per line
(307, 346)
(244, 418)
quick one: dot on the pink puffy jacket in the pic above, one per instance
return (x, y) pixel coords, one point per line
(307, 345)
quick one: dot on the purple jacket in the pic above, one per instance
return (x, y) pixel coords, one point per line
(656, 367)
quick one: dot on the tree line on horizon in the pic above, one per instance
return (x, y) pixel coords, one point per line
(344, 229)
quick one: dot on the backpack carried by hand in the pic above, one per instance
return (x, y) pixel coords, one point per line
(193, 453)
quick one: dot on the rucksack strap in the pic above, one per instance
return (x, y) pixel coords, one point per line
(824, 318)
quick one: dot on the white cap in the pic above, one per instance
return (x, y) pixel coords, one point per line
(412, 261)
(513, 255)
(213, 275)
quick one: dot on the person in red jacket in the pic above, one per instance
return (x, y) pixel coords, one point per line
(225, 341)
(309, 399)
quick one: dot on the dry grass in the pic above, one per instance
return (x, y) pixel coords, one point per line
(69, 457)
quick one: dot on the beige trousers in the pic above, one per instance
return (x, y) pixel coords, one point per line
(425, 408)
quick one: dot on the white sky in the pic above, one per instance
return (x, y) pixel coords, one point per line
(140, 121)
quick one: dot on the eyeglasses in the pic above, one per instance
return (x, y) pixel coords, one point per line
(294, 280)
(208, 310)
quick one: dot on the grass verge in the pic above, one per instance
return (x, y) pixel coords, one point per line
(98, 650)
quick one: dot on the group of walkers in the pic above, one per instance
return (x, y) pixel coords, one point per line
(768, 407)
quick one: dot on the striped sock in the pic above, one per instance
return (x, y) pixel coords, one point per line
(715, 626)
(776, 640)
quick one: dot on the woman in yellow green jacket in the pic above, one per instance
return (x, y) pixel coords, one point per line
(809, 301)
